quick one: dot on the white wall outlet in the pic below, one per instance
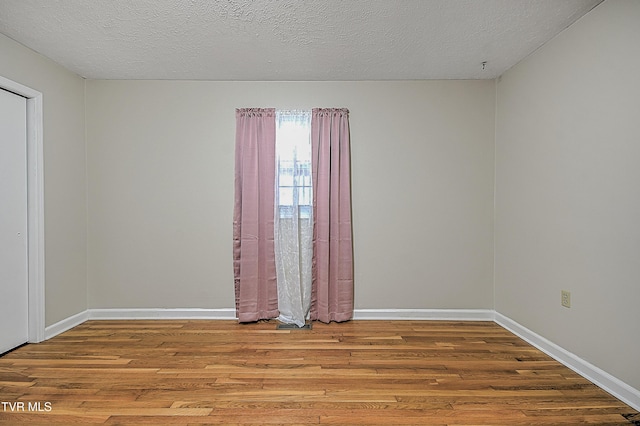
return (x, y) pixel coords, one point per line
(566, 299)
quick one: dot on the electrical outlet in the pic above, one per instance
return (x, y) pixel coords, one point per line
(566, 299)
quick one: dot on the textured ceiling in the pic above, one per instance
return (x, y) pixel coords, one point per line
(287, 39)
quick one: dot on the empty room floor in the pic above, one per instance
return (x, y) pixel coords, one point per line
(360, 372)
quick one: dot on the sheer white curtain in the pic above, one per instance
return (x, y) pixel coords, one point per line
(293, 215)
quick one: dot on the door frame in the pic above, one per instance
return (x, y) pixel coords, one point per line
(35, 206)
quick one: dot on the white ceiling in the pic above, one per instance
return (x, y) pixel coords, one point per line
(287, 39)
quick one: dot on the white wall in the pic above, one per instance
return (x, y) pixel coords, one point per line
(568, 192)
(64, 175)
(160, 159)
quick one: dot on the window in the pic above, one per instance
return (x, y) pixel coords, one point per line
(293, 168)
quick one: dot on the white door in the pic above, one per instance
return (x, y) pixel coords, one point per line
(14, 285)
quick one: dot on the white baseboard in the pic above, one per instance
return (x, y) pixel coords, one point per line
(230, 314)
(599, 377)
(65, 324)
(424, 314)
(172, 313)
(125, 314)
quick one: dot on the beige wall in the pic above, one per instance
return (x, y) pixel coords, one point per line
(64, 175)
(160, 158)
(568, 192)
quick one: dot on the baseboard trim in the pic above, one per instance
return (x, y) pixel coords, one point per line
(66, 324)
(597, 376)
(359, 314)
(173, 313)
(230, 314)
(424, 314)
(127, 314)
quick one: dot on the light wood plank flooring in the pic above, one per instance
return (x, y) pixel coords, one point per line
(360, 372)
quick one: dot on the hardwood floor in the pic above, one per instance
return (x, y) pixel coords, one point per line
(360, 372)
